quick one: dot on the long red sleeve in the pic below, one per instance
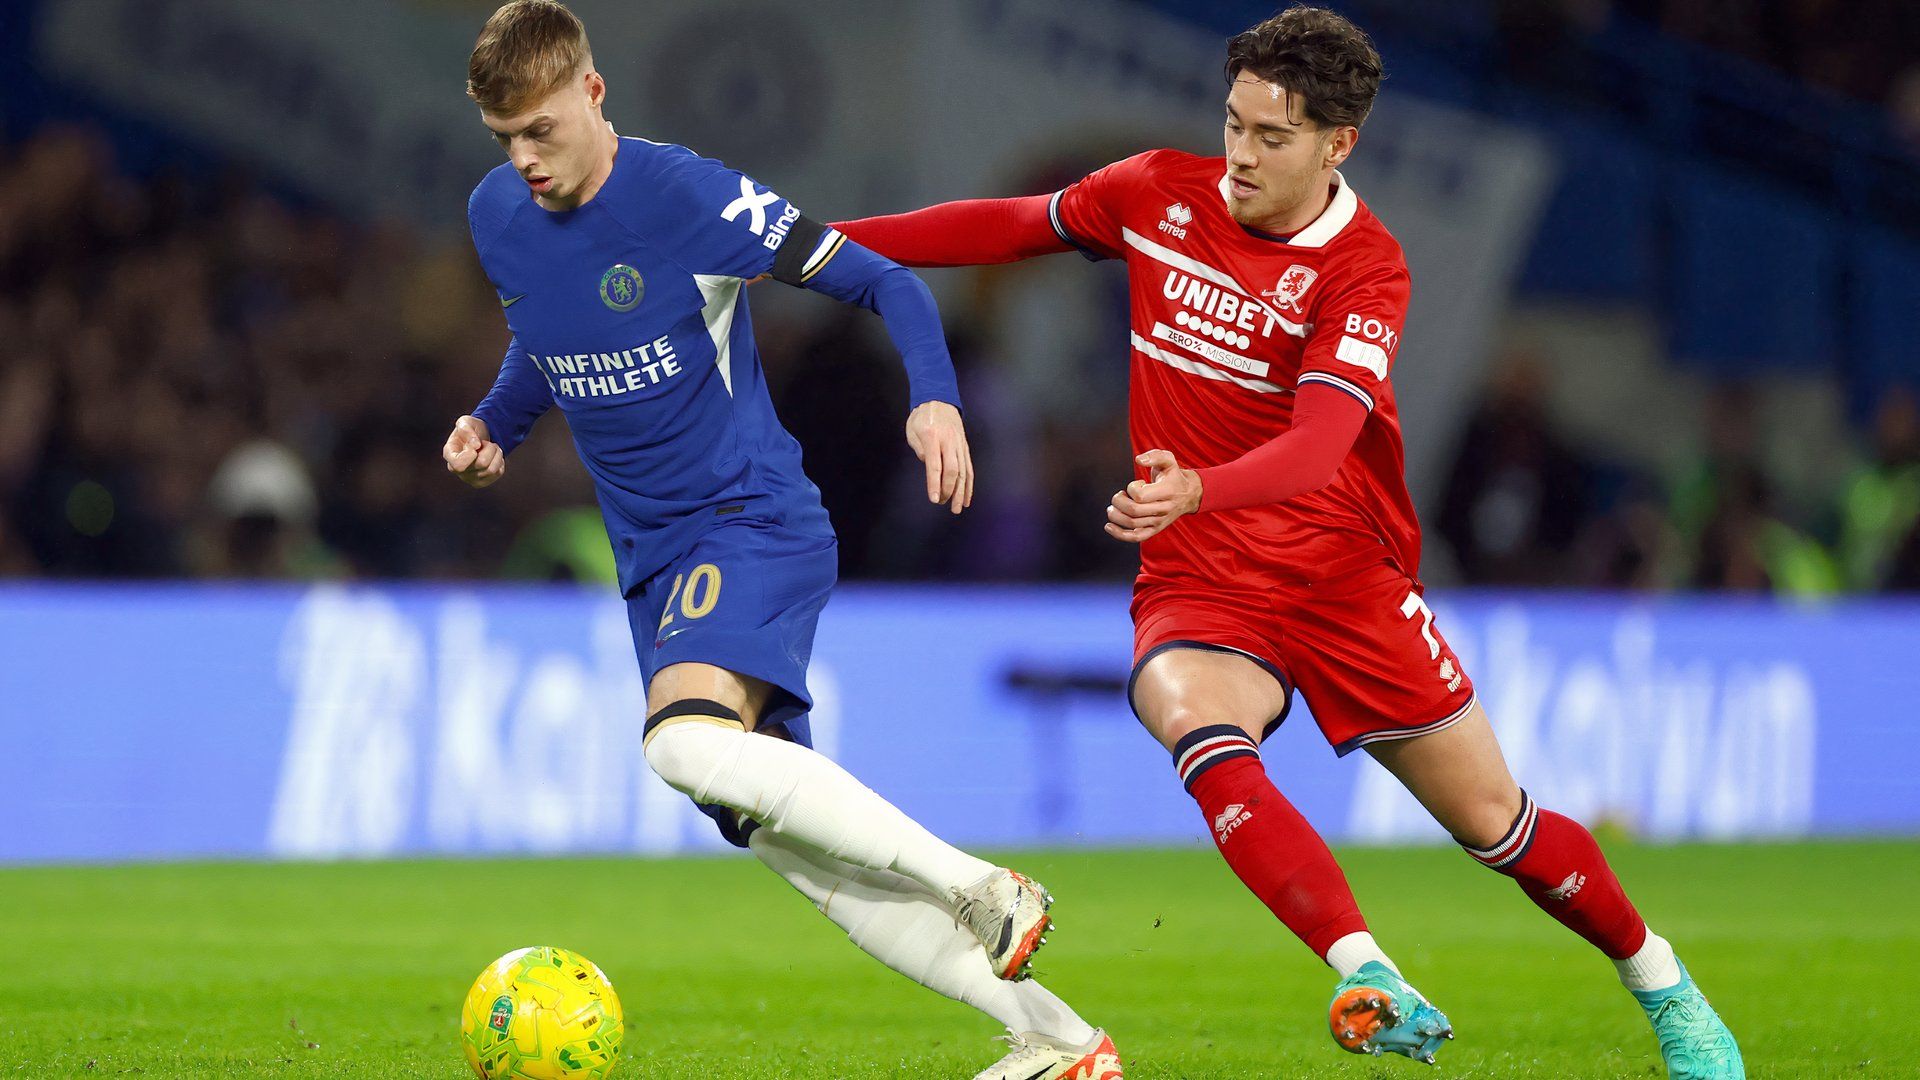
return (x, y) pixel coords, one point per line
(1304, 458)
(973, 232)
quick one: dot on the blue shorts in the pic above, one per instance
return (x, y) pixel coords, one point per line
(745, 597)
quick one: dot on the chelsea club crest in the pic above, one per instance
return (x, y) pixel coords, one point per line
(621, 287)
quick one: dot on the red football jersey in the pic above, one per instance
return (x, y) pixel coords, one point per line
(1226, 324)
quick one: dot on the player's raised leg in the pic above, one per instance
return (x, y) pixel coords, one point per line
(699, 740)
(899, 923)
(1461, 777)
(1210, 707)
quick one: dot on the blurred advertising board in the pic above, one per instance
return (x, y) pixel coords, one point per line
(180, 721)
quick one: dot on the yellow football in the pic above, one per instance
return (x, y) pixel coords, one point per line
(541, 1014)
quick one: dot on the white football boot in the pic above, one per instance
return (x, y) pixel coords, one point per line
(1008, 913)
(1036, 1057)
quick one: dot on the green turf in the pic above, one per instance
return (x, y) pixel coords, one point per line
(357, 970)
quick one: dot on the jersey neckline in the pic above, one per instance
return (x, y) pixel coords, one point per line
(1340, 212)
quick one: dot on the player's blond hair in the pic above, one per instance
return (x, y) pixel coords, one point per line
(527, 50)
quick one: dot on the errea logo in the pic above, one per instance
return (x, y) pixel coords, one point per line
(1176, 221)
(1230, 819)
(1566, 889)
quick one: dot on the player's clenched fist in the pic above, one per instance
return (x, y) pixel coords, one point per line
(1150, 505)
(936, 434)
(471, 455)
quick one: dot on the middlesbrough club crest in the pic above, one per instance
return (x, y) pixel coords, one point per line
(1293, 285)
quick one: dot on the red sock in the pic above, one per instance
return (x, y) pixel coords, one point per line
(1266, 841)
(1561, 869)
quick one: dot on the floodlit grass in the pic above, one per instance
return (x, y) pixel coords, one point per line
(358, 969)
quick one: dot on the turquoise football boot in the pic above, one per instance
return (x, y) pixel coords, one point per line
(1693, 1039)
(1375, 1011)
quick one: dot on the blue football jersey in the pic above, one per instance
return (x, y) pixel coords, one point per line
(629, 313)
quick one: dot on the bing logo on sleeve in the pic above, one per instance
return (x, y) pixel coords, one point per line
(621, 287)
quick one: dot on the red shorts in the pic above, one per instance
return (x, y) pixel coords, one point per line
(1361, 648)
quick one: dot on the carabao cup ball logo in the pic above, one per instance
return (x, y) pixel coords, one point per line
(502, 1014)
(621, 287)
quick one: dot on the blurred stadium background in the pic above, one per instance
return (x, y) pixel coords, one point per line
(1660, 399)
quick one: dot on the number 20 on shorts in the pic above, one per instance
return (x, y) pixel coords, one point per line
(697, 591)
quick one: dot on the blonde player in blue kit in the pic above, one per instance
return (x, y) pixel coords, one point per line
(620, 264)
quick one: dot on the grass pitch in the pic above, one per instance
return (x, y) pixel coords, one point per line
(357, 970)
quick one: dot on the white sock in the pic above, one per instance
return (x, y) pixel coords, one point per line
(1350, 952)
(799, 793)
(1654, 967)
(905, 927)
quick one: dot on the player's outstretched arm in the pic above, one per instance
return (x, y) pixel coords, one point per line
(972, 232)
(1085, 216)
(1304, 458)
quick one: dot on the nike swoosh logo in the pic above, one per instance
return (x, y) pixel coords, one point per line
(507, 302)
(1044, 1070)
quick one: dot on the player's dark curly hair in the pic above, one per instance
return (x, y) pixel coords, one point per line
(1317, 56)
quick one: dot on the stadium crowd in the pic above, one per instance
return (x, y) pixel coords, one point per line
(1858, 48)
(207, 380)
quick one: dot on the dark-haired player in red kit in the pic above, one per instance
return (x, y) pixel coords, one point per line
(1279, 548)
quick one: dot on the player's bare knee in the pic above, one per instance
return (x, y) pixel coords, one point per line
(745, 696)
(1485, 820)
(680, 760)
(1171, 721)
